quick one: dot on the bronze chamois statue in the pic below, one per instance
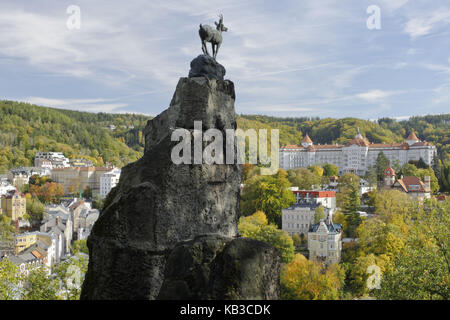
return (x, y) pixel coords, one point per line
(208, 34)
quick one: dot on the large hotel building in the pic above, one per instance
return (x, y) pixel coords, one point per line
(355, 156)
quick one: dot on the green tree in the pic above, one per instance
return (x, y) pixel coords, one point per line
(421, 164)
(35, 208)
(269, 194)
(319, 214)
(87, 193)
(9, 280)
(303, 178)
(381, 164)
(409, 170)
(70, 275)
(330, 170)
(422, 270)
(80, 246)
(40, 286)
(256, 227)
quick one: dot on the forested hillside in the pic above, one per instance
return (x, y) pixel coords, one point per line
(26, 129)
(434, 129)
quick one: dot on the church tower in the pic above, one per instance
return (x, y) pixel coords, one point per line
(306, 142)
(389, 176)
(412, 138)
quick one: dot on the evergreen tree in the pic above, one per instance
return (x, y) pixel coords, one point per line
(381, 164)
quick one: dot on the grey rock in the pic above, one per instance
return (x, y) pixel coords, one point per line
(206, 66)
(158, 204)
(216, 267)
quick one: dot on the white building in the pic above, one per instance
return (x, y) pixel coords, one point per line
(108, 181)
(21, 175)
(316, 197)
(365, 187)
(57, 159)
(5, 188)
(355, 156)
(86, 222)
(43, 163)
(298, 218)
(324, 242)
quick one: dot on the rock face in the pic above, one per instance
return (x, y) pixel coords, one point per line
(206, 66)
(158, 205)
(216, 267)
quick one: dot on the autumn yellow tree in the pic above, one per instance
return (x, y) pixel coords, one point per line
(303, 279)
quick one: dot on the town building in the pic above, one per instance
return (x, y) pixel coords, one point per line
(108, 181)
(20, 176)
(86, 221)
(57, 159)
(41, 245)
(76, 179)
(365, 187)
(43, 163)
(411, 185)
(59, 223)
(81, 163)
(298, 218)
(356, 156)
(324, 242)
(316, 197)
(6, 187)
(14, 205)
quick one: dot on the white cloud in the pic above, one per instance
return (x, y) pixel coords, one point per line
(375, 95)
(393, 5)
(423, 25)
(89, 105)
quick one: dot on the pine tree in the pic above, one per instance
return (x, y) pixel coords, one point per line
(381, 164)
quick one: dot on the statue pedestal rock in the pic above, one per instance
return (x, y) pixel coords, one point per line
(159, 205)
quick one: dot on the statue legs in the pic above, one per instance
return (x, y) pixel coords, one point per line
(204, 48)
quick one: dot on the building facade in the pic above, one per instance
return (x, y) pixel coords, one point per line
(76, 179)
(324, 242)
(14, 205)
(316, 197)
(57, 159)
(298, 218)
(355, 156)
(108, 181)
(412, 186)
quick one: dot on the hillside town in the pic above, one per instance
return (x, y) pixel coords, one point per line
(53, 207)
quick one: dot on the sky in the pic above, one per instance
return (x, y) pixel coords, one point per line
(287, 58)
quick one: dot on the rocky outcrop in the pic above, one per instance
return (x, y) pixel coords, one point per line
(206, 66)
(158, 205)
(216, 267)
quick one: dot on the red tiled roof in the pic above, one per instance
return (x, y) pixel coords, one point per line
(407, 182)
(307, 139)
(316, 194)
(412, 136)
(358, 141)
(389, 171)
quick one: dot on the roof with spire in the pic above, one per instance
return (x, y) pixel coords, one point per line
(412, 136)
(359, 140)
(389, 172)
(307, 139)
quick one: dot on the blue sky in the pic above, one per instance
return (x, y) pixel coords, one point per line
(286, 58)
